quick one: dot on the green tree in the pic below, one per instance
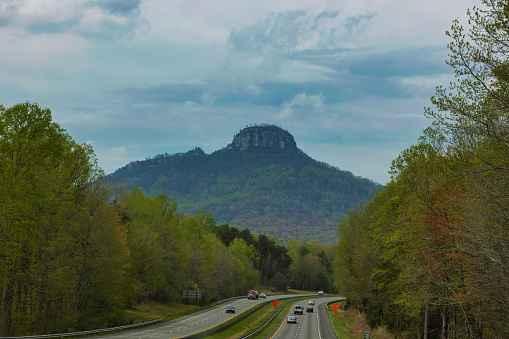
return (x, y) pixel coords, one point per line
(156, 244)
(43, 178)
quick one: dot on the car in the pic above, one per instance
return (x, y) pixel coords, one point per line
(309, 308)
(320, 293)
(263, 295)
(298, 309)
(311, 302)
(292, 319)
(230, 309)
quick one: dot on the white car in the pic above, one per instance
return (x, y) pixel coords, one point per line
(320, 293)
(311, 302)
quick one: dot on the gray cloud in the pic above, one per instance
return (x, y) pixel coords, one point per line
(101, 20)
(292, 31)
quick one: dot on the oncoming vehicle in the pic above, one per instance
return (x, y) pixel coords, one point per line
(298, 309)
(292, 319)
(263, 295)
(230, 309)
(320, 293)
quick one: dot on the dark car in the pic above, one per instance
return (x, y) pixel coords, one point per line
(230, 309)
(309, 308)
(292, 319)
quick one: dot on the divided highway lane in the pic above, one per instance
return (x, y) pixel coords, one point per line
(309, 325)
(196, 322)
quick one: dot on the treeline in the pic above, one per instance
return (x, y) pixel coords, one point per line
(76, 251)
(428, 256)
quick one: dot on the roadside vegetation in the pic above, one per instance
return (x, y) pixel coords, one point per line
(77, 251)
(427, 257)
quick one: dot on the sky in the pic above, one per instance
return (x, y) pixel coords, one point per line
(348, 79)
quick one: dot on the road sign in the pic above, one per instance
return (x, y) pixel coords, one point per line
(191, 294)
(275, 302)
(335, 307)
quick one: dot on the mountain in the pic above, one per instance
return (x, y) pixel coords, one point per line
(261, 181)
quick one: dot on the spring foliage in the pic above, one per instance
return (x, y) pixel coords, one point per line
(427, 255)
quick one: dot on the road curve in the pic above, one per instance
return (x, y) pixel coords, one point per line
(194, 323)
(309, 325)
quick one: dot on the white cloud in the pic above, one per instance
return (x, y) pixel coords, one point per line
(39, 50)
(299, 103)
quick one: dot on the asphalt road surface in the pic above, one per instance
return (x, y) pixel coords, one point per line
(196, 322)
(314, 324)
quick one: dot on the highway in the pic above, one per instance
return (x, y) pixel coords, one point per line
(196, 322)
(309, 325)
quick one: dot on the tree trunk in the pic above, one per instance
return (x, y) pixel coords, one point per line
(444, 332)
(425, 335)
(3, 310)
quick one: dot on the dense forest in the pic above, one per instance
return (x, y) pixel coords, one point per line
(76, 251)
(428, 256)
(254, 183)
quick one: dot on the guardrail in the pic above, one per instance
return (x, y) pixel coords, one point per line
(83, 333)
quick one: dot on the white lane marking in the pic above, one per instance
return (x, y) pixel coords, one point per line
(318, 319)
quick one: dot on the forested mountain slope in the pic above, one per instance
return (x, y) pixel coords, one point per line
(261, 181)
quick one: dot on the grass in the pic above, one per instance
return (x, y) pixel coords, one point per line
(340, 322)
(166, 311)
(352, 324)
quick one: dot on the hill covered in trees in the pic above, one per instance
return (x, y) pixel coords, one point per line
(261, 181)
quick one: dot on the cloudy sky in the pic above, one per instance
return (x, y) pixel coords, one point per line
(349, 79)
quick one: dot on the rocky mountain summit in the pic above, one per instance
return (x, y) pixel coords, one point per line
(266, 137)
(261, 181)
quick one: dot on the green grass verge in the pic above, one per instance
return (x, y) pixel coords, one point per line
(166, 311)
(340, 323)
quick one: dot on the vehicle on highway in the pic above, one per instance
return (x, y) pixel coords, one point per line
(309, 308)
(263, 295)
(292, 319)
(298, 309)
(252, 295)
(320, 293)
(230, 309)
(311, 302)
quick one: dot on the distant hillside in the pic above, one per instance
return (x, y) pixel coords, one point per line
(261, 181)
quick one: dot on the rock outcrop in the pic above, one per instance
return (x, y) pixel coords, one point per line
(263, 137)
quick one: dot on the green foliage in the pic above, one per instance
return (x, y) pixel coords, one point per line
(431, 245)
(44, 179)
(283, 193)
